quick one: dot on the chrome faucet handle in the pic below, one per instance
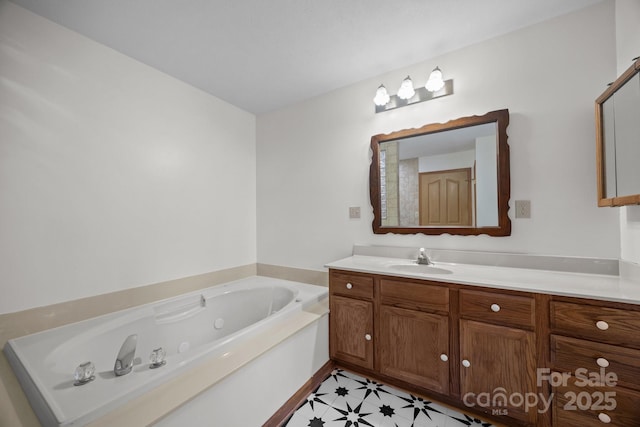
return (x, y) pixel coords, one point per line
(423, 258)
(124, 361)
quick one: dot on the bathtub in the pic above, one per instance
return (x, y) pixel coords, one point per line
(196, 330)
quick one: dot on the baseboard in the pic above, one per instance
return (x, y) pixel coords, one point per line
(285, 412)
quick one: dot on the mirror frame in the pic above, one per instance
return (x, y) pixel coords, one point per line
(501, 118)
(631, 199)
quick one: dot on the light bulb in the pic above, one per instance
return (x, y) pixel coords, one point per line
(435, 81)
(406, 90)
(382, 96)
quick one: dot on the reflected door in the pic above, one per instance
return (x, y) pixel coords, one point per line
(445, 198)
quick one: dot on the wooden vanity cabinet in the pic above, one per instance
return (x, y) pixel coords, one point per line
(425, 332)
(456, 341)
(601, 339)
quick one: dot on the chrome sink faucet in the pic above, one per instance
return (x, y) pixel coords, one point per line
(423, 258)
(124, 361)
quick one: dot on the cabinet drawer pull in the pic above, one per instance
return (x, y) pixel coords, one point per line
(602, 325)
(495, 308)
(602, 362)
(466, 363)
(604, 418)
(349, 286)
(367, 337)
(444, 357)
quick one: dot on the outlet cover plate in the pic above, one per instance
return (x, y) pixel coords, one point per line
(523, 208)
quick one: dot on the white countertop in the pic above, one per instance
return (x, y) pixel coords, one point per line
(597, 286)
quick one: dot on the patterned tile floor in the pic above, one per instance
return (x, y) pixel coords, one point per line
(345, 399)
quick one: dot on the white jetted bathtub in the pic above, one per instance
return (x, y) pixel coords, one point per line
(192, 329)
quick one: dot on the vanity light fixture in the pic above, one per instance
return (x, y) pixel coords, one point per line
(435, 87)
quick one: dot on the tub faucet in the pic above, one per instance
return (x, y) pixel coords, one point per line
(124, 361)
(423, 258)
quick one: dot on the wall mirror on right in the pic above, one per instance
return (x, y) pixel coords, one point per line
(618, 140)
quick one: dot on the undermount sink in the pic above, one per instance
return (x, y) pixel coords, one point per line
(420, 268)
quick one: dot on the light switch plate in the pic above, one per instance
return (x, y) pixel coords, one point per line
(354, 212)
(523, 208)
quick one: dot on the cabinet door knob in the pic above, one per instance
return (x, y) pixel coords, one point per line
(444, 357)
(495, 308)
(349, 286)
(367, 337)
(602, 362)
(466, 363)
(602, 325)
(604, 418)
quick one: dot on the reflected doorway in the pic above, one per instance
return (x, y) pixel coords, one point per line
(445, 198)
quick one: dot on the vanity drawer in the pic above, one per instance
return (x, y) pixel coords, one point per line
(351, 285)
(413, 295)
(511, 310)
(575, 406)
(601, 324)
(569, 354)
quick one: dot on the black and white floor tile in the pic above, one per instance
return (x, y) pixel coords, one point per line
(345, 399)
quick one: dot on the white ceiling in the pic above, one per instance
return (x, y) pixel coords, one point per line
(451, 141)
(261, 55)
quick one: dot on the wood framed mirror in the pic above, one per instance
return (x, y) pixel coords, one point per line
(618, 140)
(443, 178)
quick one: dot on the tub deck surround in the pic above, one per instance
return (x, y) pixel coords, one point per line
(217, 343)
(601, 282)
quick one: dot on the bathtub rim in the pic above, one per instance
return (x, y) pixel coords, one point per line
(146, 409)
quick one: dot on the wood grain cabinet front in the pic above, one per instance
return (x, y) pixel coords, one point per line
(595, 356)
(351, 331)
(580, 406)
(600, 323)
(464, 343)
(413, 295)
(494, 307)
(498, 351)
(414, 347)
(351, 285)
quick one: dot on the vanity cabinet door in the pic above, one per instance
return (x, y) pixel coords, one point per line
(414, 347)
(351, 331)
(497, 359)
